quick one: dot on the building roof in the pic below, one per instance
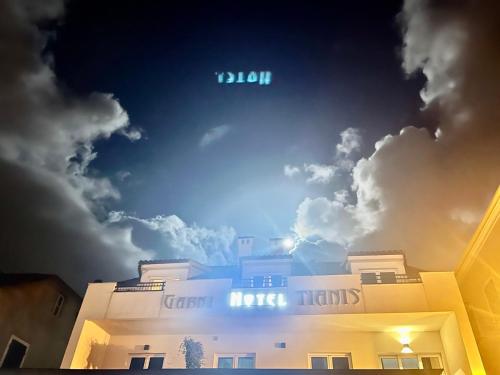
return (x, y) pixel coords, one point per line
(12, 279)
(165, 261)
(376, 252)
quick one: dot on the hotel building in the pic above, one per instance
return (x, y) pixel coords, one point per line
(372, 311)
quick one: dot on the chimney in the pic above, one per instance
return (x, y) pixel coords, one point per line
(245, 245)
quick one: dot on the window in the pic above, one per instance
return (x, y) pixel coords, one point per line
(240, 360)
(137, 363)
(246, 362)
(225, 362)
(56, 310)
(319, 363)
(15, 353)
(150, 362)
(409, 363)
(158, 284)
(155, 363)
(431, 362)
(404, 362)
(390, 362)
(335, 361)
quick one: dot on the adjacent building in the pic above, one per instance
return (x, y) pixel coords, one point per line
(37, 313)
(371, 311)
(478, 277)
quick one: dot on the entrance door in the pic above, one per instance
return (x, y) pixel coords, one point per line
(15, 354)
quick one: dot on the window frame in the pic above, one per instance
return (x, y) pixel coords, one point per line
(329, 358)
(418, 356)
(235, 357)
(6, 350)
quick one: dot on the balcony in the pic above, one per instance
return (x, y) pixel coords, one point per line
(140, 287)
(276, 281)
(388, 278)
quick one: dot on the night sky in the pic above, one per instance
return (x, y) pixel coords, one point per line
(159, 59)
(298, 158)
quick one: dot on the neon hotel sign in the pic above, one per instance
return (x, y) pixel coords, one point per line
(257, 299)
(320, 297)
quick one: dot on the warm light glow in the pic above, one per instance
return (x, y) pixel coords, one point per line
(406, 349)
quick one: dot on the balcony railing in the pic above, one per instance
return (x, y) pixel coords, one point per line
(140, 287)
(262, 282)
(388, 278)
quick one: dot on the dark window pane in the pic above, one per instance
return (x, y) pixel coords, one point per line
(339, 363)
(225, 362)
(368, 278)
(390, 363)
(15, 355)
(137, 363)
(246, 362)
(319, 363)
(388, 277)
(155, 363)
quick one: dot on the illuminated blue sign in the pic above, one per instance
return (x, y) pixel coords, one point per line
(262, 78)
(257, 299)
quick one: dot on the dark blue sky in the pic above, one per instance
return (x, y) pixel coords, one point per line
(334, 66)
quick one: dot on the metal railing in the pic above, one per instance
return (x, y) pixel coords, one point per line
(389, 278)
(156, 286)
(262, 282)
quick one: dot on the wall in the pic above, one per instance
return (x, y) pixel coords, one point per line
(91, 348)
(94, 306)
(26, 312)
(478, 277)
(363, 346)
(443, 294)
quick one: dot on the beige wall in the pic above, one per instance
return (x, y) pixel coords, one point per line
(364, 347)
(26, 312)
(478, 276)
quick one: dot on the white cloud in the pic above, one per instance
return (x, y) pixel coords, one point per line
(424, 191)
(46, 147)
(350, 142)
(291, 170)
(213, 135)
(208, 246)
(319, 173)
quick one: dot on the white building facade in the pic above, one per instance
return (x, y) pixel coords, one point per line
(371, 312)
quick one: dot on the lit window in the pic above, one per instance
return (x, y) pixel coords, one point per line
(56, 310)
(239, 360)
(335, 361)
(157, 284)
